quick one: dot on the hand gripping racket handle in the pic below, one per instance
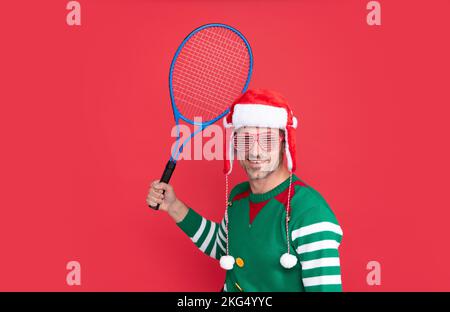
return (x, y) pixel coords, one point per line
(170, 167)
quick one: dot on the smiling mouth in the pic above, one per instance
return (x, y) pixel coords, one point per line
(257, 162)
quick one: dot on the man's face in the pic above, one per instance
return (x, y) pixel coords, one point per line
(259, 150)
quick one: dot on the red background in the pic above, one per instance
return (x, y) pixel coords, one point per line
(85, 126)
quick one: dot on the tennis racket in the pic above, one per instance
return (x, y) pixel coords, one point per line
(210, 69)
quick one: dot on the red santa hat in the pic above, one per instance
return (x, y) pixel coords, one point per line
(260, 108)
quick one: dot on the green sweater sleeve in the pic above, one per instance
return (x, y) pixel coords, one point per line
(207, 235)
(316, 236)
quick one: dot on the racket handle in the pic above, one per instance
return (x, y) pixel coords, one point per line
(170, 167)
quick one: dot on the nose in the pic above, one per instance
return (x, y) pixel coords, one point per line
(254, 151)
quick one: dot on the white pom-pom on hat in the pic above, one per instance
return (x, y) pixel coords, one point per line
(227, 262)
(288, 261)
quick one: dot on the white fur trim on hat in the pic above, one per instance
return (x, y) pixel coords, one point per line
(288, 261)
(259, 115)
(227, 262)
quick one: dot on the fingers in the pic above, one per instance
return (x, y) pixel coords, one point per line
(154, 182)
(155, 200)
(155, 188)
(156, 193)
(150, 202)
(160, 185)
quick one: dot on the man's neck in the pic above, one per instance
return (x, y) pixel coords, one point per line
(259, 186)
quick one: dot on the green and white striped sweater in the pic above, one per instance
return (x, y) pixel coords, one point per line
(257, 237)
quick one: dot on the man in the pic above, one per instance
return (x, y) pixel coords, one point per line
(278, 234)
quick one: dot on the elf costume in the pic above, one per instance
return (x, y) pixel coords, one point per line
(286, 239)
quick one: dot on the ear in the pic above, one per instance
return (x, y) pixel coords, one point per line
(283, 145)
(282, 151)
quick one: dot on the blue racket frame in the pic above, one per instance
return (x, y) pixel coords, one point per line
(176, 114)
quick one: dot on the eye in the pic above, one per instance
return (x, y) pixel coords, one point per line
(243, 141)
(268, 140)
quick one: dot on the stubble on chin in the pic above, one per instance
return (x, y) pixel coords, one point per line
(257, 175)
